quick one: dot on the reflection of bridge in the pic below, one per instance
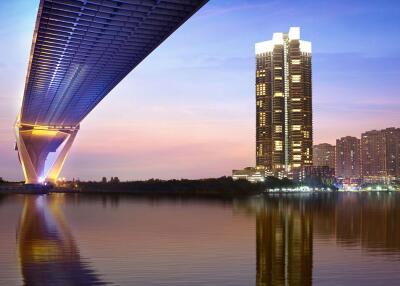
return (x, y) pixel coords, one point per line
(81, 50)
(47, 252)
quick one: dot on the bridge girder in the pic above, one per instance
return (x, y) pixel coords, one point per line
(81, 50)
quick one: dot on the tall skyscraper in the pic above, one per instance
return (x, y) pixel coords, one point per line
(324, 155)
(380, 154)
(348, 161)
(284, 137)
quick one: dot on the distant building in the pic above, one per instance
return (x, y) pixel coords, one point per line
(324, 155)
(348, 161)
(393, 152)
(380, 155)
(284, 133)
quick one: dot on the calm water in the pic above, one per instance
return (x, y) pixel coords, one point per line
(330, 239)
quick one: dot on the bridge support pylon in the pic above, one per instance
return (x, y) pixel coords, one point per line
(42, 150)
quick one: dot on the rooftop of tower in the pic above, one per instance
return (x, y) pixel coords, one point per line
(278, 39)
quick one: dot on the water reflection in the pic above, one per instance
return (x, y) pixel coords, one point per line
(47, 252)
(299, 240)
(286, 226)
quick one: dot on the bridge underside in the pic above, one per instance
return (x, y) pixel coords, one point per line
(81, 50)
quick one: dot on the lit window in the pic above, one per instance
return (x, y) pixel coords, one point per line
(296, 78)
(259, 150)
(278, 110)
(278, 128)
(277, 68)
(262, 119)
(296, 127)
(296, 150)
(296, 157)
(278, 78)
(296, 110)
(260, 73)
(296, 144)
(296, 99)
(296, 165)
(278, 94)
(296, 62)
(278, 145)
(306, 134)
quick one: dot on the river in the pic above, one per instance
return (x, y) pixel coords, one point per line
(293, 239)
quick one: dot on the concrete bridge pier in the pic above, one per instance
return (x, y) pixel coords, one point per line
(42, 150)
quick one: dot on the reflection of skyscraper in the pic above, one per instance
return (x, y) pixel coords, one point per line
(283, 103)
(47, 251)
(284, 246)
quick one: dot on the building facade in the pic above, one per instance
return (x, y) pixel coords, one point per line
(380, 155)
(324, 155)
(348, 161)
(393, 152)
(284, 133)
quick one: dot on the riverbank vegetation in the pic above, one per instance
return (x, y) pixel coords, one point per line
(224, 187)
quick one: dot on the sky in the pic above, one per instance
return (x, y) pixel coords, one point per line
(188, 110)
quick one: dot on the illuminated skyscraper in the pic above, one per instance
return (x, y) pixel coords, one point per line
(348, 162)
(284, 103)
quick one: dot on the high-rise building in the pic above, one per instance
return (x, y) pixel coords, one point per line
(393, 152)
(348, 162)
(373, 154)
(380, 156)
(324, 154)
(284, 136)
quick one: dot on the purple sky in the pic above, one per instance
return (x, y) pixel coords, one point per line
(188, 110)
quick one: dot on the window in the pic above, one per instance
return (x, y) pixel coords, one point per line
(278, 78)
(296, 144)
(296, 157)
(296, 127)
(278, 145)
(277, 67)
(259, 150)
(296, 61)
(306, 134)
(296, 110)
(296, 99)
(296, 78)
(260, 89)
(278, 94)
(260, 73)
(262, 119)
(278, 128)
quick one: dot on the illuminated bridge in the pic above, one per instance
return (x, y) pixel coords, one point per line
(81, 50)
